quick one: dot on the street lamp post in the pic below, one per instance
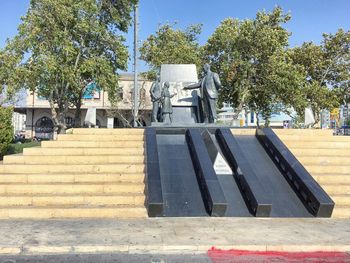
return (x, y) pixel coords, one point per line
(136, 91)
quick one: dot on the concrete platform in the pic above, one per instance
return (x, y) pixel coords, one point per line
(173, 235)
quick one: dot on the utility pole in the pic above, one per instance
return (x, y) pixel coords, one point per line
(136, 88)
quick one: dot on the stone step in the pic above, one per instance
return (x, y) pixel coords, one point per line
(312, 138)
(331, 160)
(317, 145)
(73, 189)
(71, 178)
(243, 131)
(100, 138)
(341, 212)
(98, 159)
(69, 168)
(327, 169)
(319, 152)
(92, 144)
(332, 178)
(341, 200)
(83, 151)
(76, 212)
(337, 189)
(317, 132)
(101, 131)
(73, 200)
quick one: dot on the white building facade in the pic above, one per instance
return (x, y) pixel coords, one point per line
(38, 113)
(248, 118)
(18, 123)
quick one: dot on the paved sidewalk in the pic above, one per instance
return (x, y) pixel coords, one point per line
(173, 235)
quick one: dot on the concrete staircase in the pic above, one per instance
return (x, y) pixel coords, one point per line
(91, 173)
(327, 159)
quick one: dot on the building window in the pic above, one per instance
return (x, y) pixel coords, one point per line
(117, 123)
(120, 93)
(92, 91)
(70, 122)
(251, 117)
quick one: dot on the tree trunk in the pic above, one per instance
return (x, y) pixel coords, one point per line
(77, 116)
(60, 127)
(317, 120)
(316, 117)
(236, 113)
(267, 122)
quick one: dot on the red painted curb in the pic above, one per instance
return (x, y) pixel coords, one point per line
(234, 255)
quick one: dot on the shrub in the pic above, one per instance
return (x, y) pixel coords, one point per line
(6, 130)
(18, 147)
(347, 122)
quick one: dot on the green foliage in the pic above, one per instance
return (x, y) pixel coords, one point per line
(6, 130)
(171, 46)
(15, 148)
(63, 45)
(327, 75)
(251, 59)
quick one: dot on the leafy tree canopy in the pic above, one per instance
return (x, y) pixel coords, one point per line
(6, 130)
(171, 46)
(63, 45)
(251, 59)
(327, 74)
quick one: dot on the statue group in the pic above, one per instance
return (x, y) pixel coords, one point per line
(209, 89)
(162, 108)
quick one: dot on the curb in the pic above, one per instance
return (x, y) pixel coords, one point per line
(164, 249)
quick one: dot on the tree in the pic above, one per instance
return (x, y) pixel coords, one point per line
(6, 130)
(327, 75)
(171, 46)
(250, 57)
(63, 45)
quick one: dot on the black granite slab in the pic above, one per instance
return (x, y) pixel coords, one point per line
(212, 194)
(236, 205)
(314, 198)
(285, 202)
(257, 198)
(182, 196)
(155, 201)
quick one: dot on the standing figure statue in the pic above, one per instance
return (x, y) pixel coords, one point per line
(156, 99)
(167, 108)
(209, 85)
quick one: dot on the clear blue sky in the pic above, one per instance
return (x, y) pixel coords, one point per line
(310, 18)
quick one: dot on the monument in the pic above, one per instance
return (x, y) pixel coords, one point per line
(196, 167)
(209, 86)
(193, 101)
(185, 104)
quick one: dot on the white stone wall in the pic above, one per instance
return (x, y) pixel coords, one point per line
(18, 122)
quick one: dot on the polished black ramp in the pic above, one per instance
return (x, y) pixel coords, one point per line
(236, 206)
(181, 193)
(285, 202)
